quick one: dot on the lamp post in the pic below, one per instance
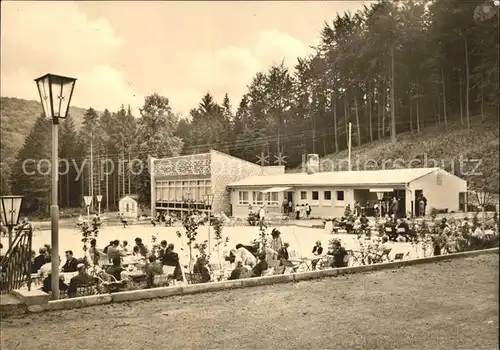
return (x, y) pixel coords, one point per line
(99, 199)
(483, 199)
(10, 211)
(380, 196)
(209, 198)
(88, 203)
(55, 96)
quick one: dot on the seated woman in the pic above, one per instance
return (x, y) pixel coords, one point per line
(239, 272)
(47, 284)
(261, 266)
(200, 268)
(317, 250)
(246, 257)
(83, 278)
(153, 269)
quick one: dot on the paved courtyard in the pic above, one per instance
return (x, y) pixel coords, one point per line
(449, 305)
(301, 239)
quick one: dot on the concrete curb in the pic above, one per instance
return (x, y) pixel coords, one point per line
(163, 292)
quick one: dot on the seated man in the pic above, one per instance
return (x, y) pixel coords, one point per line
(239, 271)
(403, 229)
(83, 278)
(200, 268)
(153, 269)
(338, 252)
(261, 266)
(246, 257)
(390, 229)
(116, 269)
(39, 260)
(47, 284)
(114, 250)
(71, 264)
(365, 224)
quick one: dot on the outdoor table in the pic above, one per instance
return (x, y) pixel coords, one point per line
(303, 263)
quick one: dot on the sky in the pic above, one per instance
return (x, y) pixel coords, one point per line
(121, 51)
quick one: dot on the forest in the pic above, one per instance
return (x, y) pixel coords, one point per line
(394, 67)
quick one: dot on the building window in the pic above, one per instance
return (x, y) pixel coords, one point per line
(133, 207)
(174, 191)
(315, 195)
(243, 197)
(303, 195)
(127, 208)
(439, 179)
(257, 198)
(340, 195)
(272, 199)
(327, 195)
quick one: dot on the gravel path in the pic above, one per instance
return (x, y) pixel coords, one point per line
(448, 305)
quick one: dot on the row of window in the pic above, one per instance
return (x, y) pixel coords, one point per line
(177, 191)
(271, 198)
(258, 198)
(327, 195)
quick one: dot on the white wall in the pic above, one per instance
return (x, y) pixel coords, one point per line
(133, 207)
(444, 196)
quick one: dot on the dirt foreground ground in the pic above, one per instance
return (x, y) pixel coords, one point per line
(449, 305)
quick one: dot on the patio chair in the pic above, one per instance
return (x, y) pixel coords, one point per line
(385, 255)
(289, 265)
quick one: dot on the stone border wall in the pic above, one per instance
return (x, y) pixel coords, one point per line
(163, 292)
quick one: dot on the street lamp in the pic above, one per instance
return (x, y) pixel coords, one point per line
(10, 211)
(209, 199)
(483, 199)
(99, 199)
(88, 203)
(380, 196)
(55, 96)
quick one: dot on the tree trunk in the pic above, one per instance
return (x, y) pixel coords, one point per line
(357, 119)
(393, 100)
(444, 101)
(370, 110)
(335, 133)
(437, 106)
(346, 113)
(410, 106)
(384, 105)
(378, 116)
(467, 83)
(460, 85)
(418, 114)
(482, 89)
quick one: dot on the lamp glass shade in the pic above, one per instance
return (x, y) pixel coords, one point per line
(380, 195)
(482, 197)
(55, 94)
(88, 200)
(10, 209)
(99, 198)
(210, 198)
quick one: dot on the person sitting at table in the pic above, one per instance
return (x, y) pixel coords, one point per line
(71, 264)
(153, 269)
(200, 268)
(363, 220)
(245, 256)
(125, 248)
(105, 250)
(116, 268)
(82, 279)
(390, 229)
(403, 229)
(261, 266)
(338, 252)
(39, 260)
(239, 271)
(46, 268)
(316, 251)
(283, 252)
(114, 250)
(142, 248)
(171, 258)
(162, 249)
(47, 284)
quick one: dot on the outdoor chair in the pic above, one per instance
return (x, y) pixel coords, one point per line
(385, 255)
(289, 265)
(347, 258)
(399, 256)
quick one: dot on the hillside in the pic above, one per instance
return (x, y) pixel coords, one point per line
(434, 146)
(17, 118)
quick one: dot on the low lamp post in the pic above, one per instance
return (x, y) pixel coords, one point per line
(209, 199)
(55, 96)
(99, 199)
(483, 199)
(380, 196)
(88, 203)
(10, 212)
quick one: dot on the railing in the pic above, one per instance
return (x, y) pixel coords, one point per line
(15, 267)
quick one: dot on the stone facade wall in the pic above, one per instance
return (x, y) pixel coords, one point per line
(194, 164)
(226, 169)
